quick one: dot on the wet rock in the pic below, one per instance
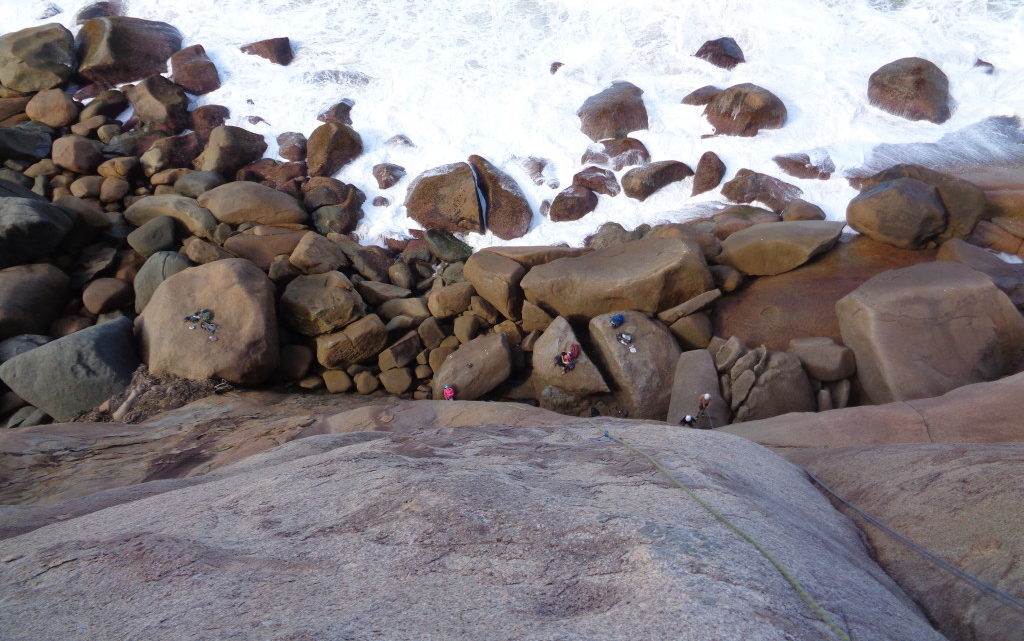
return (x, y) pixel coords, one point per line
(332, 146)
(749, 186)
(616, 153)
(801, 165)
(598, 180)
(242, 300)
(238, 202)
(388, 175)
(476, 368)
(768, 249)
(572, 203)
(36, 58)
(229, 149)
(160, 103)
(173, 152)
(276, 50)
(508, 212)
(321, 303)
(912, 88)
(744, 110)
(292, 146)
(924, 330)
(31, 297)
(640, 183)
(904, 213)
(103, 9)
(702, 96)
(158, 267)
(446, 247)
(614, 112)
(445, 198)
(800, 209)
(193, 70)
(207, 118)
(709, 173)
(723, 52)
(338, 112)
(30, 229)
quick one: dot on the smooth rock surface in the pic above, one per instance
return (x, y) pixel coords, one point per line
(768, 249)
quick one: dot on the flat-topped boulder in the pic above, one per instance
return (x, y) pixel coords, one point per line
(240, 202)
(767, 249)
(924, 330)
(646, 275)
(497, 278)
(194, 217)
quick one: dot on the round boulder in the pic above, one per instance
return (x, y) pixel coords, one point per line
(614, 112)
(904, 212)
(912, 88)
(744, 110)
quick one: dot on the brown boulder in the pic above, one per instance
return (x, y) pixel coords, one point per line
(744, 110)
(291, 145)
(583, 379)
(331, 146)
(508, 212)
(723, 52)
(475, 368)
(924, 330)
(106, 295)
(803, 166)
(572, 203)
(387, 175)
(238, 202)
(31, 297)
(242, 300)
(193, 70)
(496, 278)
(445, 198)
(701, 96)
(912, 88)
(739, 217)
(1008, 277)
(768, 249)
(614, 112)
(53, 108)
(642, 380)
(276, 50)
(800, 209)
(695, 375)
(159, 103)
(452, 300)
(749, 186)
(117, 49)
(642, 182)
(228, 149)
(78, 154)
(533, 255)
(320, 303)
(359, 341)
(616, 153)
(173, 152)
(904, 213)
(197, 219)
(596, 179)
(314, 254)
(36, 58)
(823, 358)
(709, 173)
(647, 275)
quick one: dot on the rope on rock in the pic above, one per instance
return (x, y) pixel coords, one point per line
(797, 586)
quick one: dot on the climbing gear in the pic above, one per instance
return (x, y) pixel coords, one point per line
(204, 319)
(627, 341)
(448, 391)
(567, 360)
(688, 421)
(798, 587)
(617, 320)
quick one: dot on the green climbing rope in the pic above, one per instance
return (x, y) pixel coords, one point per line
(798, 587)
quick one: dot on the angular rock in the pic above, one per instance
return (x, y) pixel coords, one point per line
(229, 149)
(582, 380)
(451, 300)
(361, 340)
(800, 209)
(401, 352)
(76, 372)
(116, 49)
(388, 175)
(572, 203)
(641, 182)
(508, 212)
(291, 145)
(749, 186)
(496, 279)
(691, 306)
(646, 275)
(1008, 277)
(723, 52)
(823, 358)
(614, 112)
(709, 173)
(694, 376)
(30, 229)
(375, 293)
(616, 153)
(475, 368)
(445, 198)
(197, 183)
(744, 110)
(803, 166)
(239, 202)
(193, 70)
(692, 331)
(904, 213)
(158, 267)
(924, 330)
(77, 154)
(768, 249)
(780, 388)
(396, 381)
(642, 380)
(195, 218)
(173, 152)
(241, 298)
(321, 303)
(36, 58)
(315, 255)
(160, 103)
(202, 252)
(276, 50)
(912, 88)
(109, 103)
(24, 143)
(596, 179)
(53, 108)
(31, 297)
(331, 146)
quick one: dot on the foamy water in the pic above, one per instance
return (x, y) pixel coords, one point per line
(460, 77)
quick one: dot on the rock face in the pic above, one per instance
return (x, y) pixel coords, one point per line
(647, 275)
(445, 198)
(583, 379)
(242, 300)
(695, 375)
(924, 330)
(961, 502)
(904, 212)
(913, 88)
(773, 248)
(31, 297)
(30, 229)
(239, 202)
(642, 380)
(475, 368)
(508, 212)
(614, 112)
(113, 50)
(76, 372)
(744, 110)
(36, 58)
(330, 506)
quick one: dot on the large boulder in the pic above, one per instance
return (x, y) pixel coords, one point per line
(116, 49)
(241, 298)
(744, 110)
(445, 198)
(330, 147)
(695, 375)
(475, 368)
(924, 330)
(228, 149)
(1008, 277)
(709, 173)
(76, 372)
(913, 88)
(193, 70)
(765, 383)
(158, 267)
(77, 153)
(28, 142)
(359, 341)
(641, 380)
(614, 112)
(646, 275)
(30, 229)
(159, 103)
(582, 380)
(773, 248)
(641, 182)
(36, 58)
(196, 219)
(749, 186)
(514, 512)
(238, 202)
(496, 278)
(572, 203)
(320, 303)
(903, 212)
(508, 212)
(31, 297)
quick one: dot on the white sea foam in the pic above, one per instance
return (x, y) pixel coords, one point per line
(468, 76)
